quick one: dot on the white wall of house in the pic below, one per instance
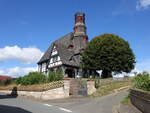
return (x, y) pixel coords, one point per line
(55, 61)
(43, 67)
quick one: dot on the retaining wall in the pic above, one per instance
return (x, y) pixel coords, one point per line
(140, 99)
(61, 92)
(57, 93)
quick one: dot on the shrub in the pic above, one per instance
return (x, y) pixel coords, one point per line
(97, 83)
(55, 76)
(38, 78)
(51, 76)
(32, 78)
(5, 82)
(142, 81)
(59, 74)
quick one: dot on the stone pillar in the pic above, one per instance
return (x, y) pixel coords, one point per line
(91, 87)
(66, 87)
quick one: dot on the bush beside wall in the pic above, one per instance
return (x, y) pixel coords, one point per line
(5, 82)
(39, 78)
(142, 81)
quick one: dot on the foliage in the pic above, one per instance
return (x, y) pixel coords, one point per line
(126, 100)
(142, 81)
(31, 78)
(55, 76)
(39, 78)
(6, 82)
(108, 53)
(97, 83)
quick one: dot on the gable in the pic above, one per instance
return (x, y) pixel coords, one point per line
(60, 48)
(54, 51)
(63, 40)
(46, 55)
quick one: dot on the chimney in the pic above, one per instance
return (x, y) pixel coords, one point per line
(79, 27)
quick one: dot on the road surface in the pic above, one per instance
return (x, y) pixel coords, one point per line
(72, 105)
(91, 105)
(22, 105)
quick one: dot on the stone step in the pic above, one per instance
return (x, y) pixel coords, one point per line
(77, 88)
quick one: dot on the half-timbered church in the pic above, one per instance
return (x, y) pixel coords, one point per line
(65, 52)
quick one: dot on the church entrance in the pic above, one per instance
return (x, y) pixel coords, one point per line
(70, 73)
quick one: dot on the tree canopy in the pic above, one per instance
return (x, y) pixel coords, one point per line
(109, 53)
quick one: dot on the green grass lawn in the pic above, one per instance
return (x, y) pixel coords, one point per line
(110, 88)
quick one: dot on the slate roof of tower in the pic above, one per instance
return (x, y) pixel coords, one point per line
(68, 56)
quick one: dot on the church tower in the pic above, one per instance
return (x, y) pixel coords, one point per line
(79, 27)
(80, 36)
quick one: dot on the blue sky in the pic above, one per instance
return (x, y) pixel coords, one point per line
(27, 27)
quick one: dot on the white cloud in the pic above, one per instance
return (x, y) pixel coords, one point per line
(144, 65)
(2, 71)
(17, 71)
(142, 4)
(24, 55)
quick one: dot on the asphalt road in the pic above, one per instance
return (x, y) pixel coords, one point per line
(21, 105)
(72, 105)
(91, 105)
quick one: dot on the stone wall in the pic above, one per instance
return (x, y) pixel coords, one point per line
(140, 99)
(57, 93)
(81, 87)
(61, 92)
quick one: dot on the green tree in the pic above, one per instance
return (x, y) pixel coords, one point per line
(109, 53)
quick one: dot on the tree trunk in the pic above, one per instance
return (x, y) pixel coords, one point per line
(106, 74)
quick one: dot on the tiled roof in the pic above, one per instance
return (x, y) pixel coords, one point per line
(3, 77)
(69, 57)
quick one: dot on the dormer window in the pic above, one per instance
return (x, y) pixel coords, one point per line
(70, 46)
